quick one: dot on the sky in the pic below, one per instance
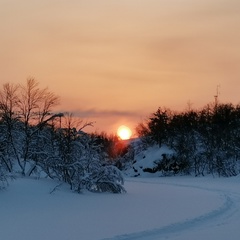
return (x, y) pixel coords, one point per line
(115, 62)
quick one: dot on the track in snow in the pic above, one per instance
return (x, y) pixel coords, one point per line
(215, 218)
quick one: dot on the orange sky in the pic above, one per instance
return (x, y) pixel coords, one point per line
(115, 62)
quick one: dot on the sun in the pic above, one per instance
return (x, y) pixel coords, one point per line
(124, 132)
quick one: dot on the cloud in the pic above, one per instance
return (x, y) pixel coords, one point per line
(94, 113)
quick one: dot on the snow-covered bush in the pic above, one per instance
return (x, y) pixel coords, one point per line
(90, 169)
(76, 158)
(105, 179)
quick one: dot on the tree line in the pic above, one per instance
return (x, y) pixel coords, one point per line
(36, 141)
(205, 141)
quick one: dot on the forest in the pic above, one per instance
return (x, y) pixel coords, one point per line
(204, 141)
(35, 141)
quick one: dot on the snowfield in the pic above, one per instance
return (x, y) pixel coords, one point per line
(178, 208)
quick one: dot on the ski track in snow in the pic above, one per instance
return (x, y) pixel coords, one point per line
(216, 217)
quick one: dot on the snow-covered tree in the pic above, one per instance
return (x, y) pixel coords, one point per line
(77, 159)
(34, 111)
(96, 174)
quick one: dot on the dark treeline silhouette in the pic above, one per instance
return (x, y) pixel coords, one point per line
(36, 142)
(205, 141)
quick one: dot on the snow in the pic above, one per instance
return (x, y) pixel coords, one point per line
(176, 208)
(146, 159)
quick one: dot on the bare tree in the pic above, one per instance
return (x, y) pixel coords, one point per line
(8, 109)
(35, 104)
(32, 107)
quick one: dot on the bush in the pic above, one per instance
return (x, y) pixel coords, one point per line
(103, 179)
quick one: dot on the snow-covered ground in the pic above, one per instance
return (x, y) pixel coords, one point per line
(178, 208)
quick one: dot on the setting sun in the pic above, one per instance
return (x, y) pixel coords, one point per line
(124, 132)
